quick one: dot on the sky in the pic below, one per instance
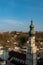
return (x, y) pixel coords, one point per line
(16, 15)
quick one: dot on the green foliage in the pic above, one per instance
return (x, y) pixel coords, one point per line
(40, 61)
(22, 39)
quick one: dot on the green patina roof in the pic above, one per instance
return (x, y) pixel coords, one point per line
(31, 26)
(31, 32)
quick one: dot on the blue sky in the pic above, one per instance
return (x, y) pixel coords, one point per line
(17, 14)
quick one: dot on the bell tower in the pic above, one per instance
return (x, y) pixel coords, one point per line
(31, 50)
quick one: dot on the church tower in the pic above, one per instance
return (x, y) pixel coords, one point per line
(31, 50)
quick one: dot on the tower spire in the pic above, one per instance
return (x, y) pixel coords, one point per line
(31, 32)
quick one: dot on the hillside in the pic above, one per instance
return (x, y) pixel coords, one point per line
(11, 37)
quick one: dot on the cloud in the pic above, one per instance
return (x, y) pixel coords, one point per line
(11, 24)
(17, 25)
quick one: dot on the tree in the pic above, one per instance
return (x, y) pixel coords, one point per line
(40, 61)
(22, 39)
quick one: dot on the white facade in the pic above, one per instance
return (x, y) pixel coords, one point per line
(31, 53)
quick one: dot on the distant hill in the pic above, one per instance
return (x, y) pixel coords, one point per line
(10, 36)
